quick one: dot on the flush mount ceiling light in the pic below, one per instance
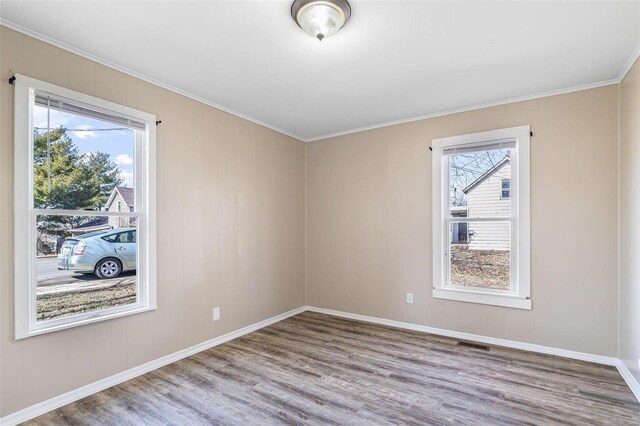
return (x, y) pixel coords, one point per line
(320, 18)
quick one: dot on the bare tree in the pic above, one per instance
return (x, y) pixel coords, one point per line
(467, 167)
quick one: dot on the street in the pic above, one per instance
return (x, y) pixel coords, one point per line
(63, 293)
(47, 267)
(52, 280)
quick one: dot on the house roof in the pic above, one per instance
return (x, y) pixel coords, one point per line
(92, 225)
(97, 224)
(488, 173)
(98, 221)
(127, 194)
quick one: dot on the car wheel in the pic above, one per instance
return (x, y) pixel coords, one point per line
(108, 268)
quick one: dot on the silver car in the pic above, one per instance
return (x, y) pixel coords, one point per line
(104, 253)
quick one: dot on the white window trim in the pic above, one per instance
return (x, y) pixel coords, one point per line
(520, 297)
(24, 215)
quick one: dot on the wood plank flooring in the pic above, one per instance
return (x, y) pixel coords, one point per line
(318, 369)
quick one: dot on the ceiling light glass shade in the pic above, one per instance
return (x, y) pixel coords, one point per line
(320, 18)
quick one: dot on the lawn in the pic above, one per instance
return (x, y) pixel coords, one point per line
(480, 268)
(62, 303)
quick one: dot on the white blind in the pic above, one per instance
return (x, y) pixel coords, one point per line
(72, 107)
(483, 146)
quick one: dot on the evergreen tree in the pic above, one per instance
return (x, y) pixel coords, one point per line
(66, 179)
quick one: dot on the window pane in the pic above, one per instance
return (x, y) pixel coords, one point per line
(480, 254)
(476, 181)
(84, 264)
(79, 162)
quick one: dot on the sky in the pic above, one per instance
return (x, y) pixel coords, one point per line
(466, 168)
(119, 144)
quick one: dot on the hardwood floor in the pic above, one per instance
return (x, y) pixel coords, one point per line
(319, 369)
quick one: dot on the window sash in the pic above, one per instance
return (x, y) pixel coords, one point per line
(512, 219)
(520, 215)
(446, 249)
(25, 212)
(142, 291)
(446, 187)
(138, 213)
(455, 219)
(101, 213)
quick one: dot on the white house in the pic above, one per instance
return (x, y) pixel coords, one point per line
(490, 196)
(121, 200)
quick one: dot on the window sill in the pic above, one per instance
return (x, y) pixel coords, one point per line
(495, 299)
(90, 320)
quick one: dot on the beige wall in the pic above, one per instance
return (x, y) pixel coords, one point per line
(369, 223)
(629, 344)
(230, 231)
(231, 226)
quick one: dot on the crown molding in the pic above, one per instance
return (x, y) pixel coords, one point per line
(13, 26)
(627, 66)
(621, 75)
(471, 108)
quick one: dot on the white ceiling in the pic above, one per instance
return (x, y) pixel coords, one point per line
(394, 60)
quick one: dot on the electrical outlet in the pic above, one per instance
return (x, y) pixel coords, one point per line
(216, 314)
(409, 297)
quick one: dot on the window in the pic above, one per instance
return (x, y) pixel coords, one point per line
(78, 258)
(505, 189)
(481, 241)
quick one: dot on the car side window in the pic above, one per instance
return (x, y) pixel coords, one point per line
(122, 237)
(128, 237)
(111, 238)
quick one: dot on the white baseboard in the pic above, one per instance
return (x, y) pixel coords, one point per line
(69, 397)
(632, 382)
(90, 389)
(531, 347)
